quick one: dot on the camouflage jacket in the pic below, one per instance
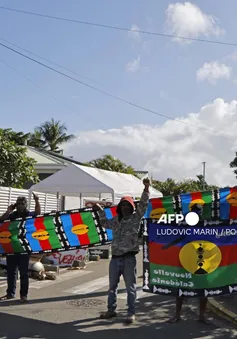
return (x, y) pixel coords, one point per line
(125, 232)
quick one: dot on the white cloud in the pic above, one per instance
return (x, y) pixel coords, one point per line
(134, 65)
(213, 71)
(172, 149)
(133, 34)
(187, 20)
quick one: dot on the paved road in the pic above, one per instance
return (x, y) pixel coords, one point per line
(65, 309)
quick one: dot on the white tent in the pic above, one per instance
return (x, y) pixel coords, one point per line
(78, 181)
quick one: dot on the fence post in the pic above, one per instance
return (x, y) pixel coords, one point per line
(29, 199)
(45, 202)
(10, 195)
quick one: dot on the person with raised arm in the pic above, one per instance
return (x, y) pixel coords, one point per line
(125, 247)
(18, 260)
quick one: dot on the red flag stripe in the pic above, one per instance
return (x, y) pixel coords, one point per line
(196, 195)
(156, 203)
(6, 247)
(39, 225)
(77, 220)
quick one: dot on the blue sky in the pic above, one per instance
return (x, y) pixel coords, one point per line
(171, 77)
(102, 55)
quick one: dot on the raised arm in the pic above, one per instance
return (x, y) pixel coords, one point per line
(37, 205)
(6, 215)
(143, 203)
(106, 223)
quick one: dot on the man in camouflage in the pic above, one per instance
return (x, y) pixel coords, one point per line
(125, 246)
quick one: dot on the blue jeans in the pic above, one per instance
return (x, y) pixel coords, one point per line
(125, 266)
(14, 262)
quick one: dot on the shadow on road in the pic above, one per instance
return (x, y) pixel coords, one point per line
(152, 319)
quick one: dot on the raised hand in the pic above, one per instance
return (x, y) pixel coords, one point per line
(36, 198)
(146, 182)
(11, 208)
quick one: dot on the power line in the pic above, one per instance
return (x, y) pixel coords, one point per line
(37, 86)
(101, 91)
(49, 61)
(117, 27)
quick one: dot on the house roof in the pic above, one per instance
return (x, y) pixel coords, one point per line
(49, 157)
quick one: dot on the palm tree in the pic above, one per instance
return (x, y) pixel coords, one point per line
(168, 187)
(51, 134)
(36, 141)
(172, 187)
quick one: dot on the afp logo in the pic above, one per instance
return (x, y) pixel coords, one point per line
(191, 218)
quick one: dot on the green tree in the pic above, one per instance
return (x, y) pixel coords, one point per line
(172, 187)
(36, 141)
(233, 164)
(19, 138)
(50, 135)
(109, 163)
(16, 168)
(167, 187)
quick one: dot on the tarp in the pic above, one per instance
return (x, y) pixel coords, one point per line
(75, 180)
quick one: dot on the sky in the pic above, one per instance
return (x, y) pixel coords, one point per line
(193, 82)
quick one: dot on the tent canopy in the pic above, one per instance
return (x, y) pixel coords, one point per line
(77, 180)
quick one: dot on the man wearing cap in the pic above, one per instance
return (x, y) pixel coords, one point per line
(125, 246)
(18, 260)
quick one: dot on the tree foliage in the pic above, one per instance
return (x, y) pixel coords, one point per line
(172, 187)
(109, 163)
(50, 135)
(19, 138)
(233, 164)
(35, 140)
(16, 168)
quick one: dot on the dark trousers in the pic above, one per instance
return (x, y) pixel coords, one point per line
(127, 267)
(14, 262)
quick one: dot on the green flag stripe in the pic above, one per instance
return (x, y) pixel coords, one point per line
(53, 238)
(168, 204)
(222, 276)
(89, 221)
(14, 236)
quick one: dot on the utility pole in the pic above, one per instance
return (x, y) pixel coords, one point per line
(204, 174)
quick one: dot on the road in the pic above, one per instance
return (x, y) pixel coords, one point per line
(69, 307)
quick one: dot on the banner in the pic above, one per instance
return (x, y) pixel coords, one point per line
(197, 261)
(192, 261)
(54, 232)
(67, 258)
(216, 204)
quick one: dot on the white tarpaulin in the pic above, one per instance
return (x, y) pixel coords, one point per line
(75, 180)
